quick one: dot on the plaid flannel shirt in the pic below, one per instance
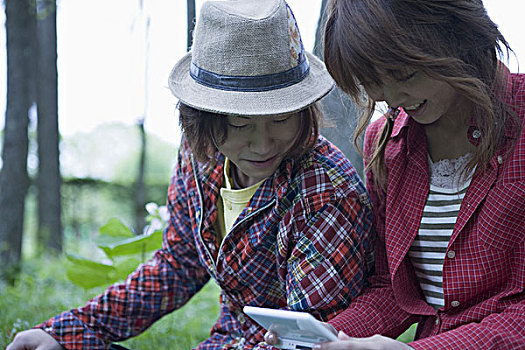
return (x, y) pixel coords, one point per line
(304, 242)
(484, 268)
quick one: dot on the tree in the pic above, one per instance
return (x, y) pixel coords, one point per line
(190, 6)
(49, 179)
(339, 109)
(14, 181)
(140, 185)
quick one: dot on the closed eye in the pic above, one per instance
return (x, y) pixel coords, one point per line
(407, 77)
(282, 120)
(237, 126)
(238, 122)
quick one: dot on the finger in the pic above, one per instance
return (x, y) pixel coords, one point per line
(343, 336)
(271, 338)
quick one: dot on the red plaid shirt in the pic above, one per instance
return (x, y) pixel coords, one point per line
(484, 268)
(303, 242)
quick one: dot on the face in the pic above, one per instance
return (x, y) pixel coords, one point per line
(425, 99)
(257, 145)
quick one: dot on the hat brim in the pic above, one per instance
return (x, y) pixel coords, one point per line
(289, 99)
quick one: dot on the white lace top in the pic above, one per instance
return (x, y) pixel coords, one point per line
(446, 173)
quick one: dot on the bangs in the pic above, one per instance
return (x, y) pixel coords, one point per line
(357, 49)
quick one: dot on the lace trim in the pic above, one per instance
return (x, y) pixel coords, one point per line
(446, 173)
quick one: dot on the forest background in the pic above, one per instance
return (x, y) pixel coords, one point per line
(103, 126)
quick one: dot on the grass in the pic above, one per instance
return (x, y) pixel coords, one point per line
(43, 291)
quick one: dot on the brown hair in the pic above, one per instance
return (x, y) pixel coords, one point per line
(449, 40)
(199, 128)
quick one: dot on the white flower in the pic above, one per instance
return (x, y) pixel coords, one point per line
(152, 208)
(164, 213)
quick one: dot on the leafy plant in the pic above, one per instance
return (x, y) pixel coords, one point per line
(43, 291)
(122, 251)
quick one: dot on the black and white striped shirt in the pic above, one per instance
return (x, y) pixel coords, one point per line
(440, 213)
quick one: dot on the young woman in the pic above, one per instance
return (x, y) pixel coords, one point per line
(445, 171)
(259, 202)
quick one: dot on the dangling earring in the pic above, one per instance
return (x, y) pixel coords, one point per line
(392, 113)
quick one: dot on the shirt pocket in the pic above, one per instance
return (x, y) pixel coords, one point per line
(501, 222)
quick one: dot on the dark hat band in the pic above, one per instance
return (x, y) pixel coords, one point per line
(250, 83)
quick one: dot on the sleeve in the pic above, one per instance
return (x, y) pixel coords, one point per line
(376, 310)
(326, 242)
(154, 289)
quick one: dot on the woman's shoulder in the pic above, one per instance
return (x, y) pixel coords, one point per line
(375, 127)
(517, 97)
(326, 168)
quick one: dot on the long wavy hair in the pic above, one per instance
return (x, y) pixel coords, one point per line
(204, 129)
(449, 40)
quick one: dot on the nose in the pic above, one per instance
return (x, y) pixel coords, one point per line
(388, 92)
(261, 140)
(392, 95)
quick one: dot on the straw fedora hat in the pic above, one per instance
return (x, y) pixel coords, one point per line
(248, 59)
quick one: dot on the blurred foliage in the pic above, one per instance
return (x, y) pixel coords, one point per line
(43, 291)
(99, 169)
(123, 250)
(110, 152)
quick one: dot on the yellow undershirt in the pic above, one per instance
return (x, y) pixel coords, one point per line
(231, 202)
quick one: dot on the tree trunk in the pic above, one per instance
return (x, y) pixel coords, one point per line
(339, 110)
(140, 190)
(140, 185)
(49, 181)
(191, 22)
(20, 32)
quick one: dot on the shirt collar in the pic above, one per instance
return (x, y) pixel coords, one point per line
(401, 121)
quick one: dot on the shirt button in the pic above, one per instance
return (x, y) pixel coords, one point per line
(455, 303)
(500, 159)
(437, 322)
(476, 134)
(451, 254)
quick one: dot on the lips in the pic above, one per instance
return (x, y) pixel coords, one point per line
(414, 106)
(415, 110)
(263, 163)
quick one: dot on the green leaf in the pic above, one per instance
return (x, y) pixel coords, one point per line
(123, 267)
(408, 335)
(115, 228)
(136, 245)
(109, 241)
(88, 273)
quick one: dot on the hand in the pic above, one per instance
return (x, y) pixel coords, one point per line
(34, 339)
(273, 339)
(376, 342)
